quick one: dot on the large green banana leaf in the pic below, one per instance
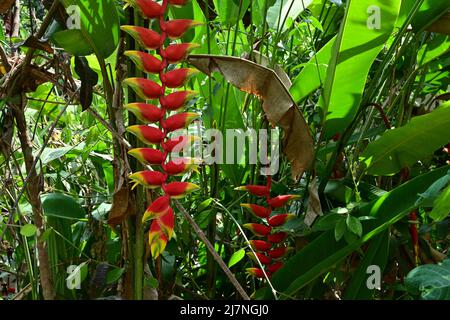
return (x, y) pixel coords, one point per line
(313, 74)
(98, 32)
(367, 26)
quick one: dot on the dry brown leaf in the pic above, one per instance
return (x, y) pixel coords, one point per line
(120, 207)
(265, 62)
(278, 104)
(5, 5)
(35, 43)
(314, 209)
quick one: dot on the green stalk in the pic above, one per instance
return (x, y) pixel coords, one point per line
(214, 170)
(139, 229)
(33, 282)
(132, 245)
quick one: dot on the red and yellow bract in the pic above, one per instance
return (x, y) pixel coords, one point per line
(148, 156)
(267, 251)
(159, 212)
(177, 28)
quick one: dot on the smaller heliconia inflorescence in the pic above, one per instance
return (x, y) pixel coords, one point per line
(160, 121)
(269, 244)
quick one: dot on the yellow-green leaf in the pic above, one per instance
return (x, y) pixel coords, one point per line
(441, 207)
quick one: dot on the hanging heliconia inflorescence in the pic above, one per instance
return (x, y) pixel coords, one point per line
(158, 123)
(270, 248)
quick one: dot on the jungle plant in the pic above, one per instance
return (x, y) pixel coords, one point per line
(359, 88)
(270, 251)
(167, 115)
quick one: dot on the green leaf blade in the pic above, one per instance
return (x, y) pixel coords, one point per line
(354, 52)
(402, 147)
(236, 257)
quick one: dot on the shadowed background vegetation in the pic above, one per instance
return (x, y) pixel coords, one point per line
(359, 87)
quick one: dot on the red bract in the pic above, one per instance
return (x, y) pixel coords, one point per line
(147, 134)
(281, 201)
(275, 267)
(157, 208)
(259, 230)
(160, 211)
(177, 100)
(259, 211)
(258, 191)
(280, 219)
(167, 222)
(146, 89)
(157, 239)
(179, 121)
(179, 190)
(261, 257)
(279, 252)
(260, 245)
(178, 52)
(147, 8)
(147, 113)
(176, 28)
(146, 38)
(256, 272)
(149, 179)
(145, 62)
(177, 144)
(148, 155)
(178, 77)
(178, 2)
(179, 166)
(266, 253)
(277, 237)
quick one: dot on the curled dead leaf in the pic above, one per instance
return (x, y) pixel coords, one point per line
(278, 104)
(265, 62)
(35, 43)
(314, 208)
(121, 206)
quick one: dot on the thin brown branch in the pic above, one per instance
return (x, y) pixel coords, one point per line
(115, 134)
(47, 101)
(47, 20)
(213, 252)
(15, 28)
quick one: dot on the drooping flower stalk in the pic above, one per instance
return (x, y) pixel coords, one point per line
(157, 121)
(270, 250)
(414, 233)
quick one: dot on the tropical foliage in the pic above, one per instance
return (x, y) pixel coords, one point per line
(94, 207)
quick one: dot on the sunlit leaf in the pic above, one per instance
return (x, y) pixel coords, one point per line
(28, 230)
(236, 257)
